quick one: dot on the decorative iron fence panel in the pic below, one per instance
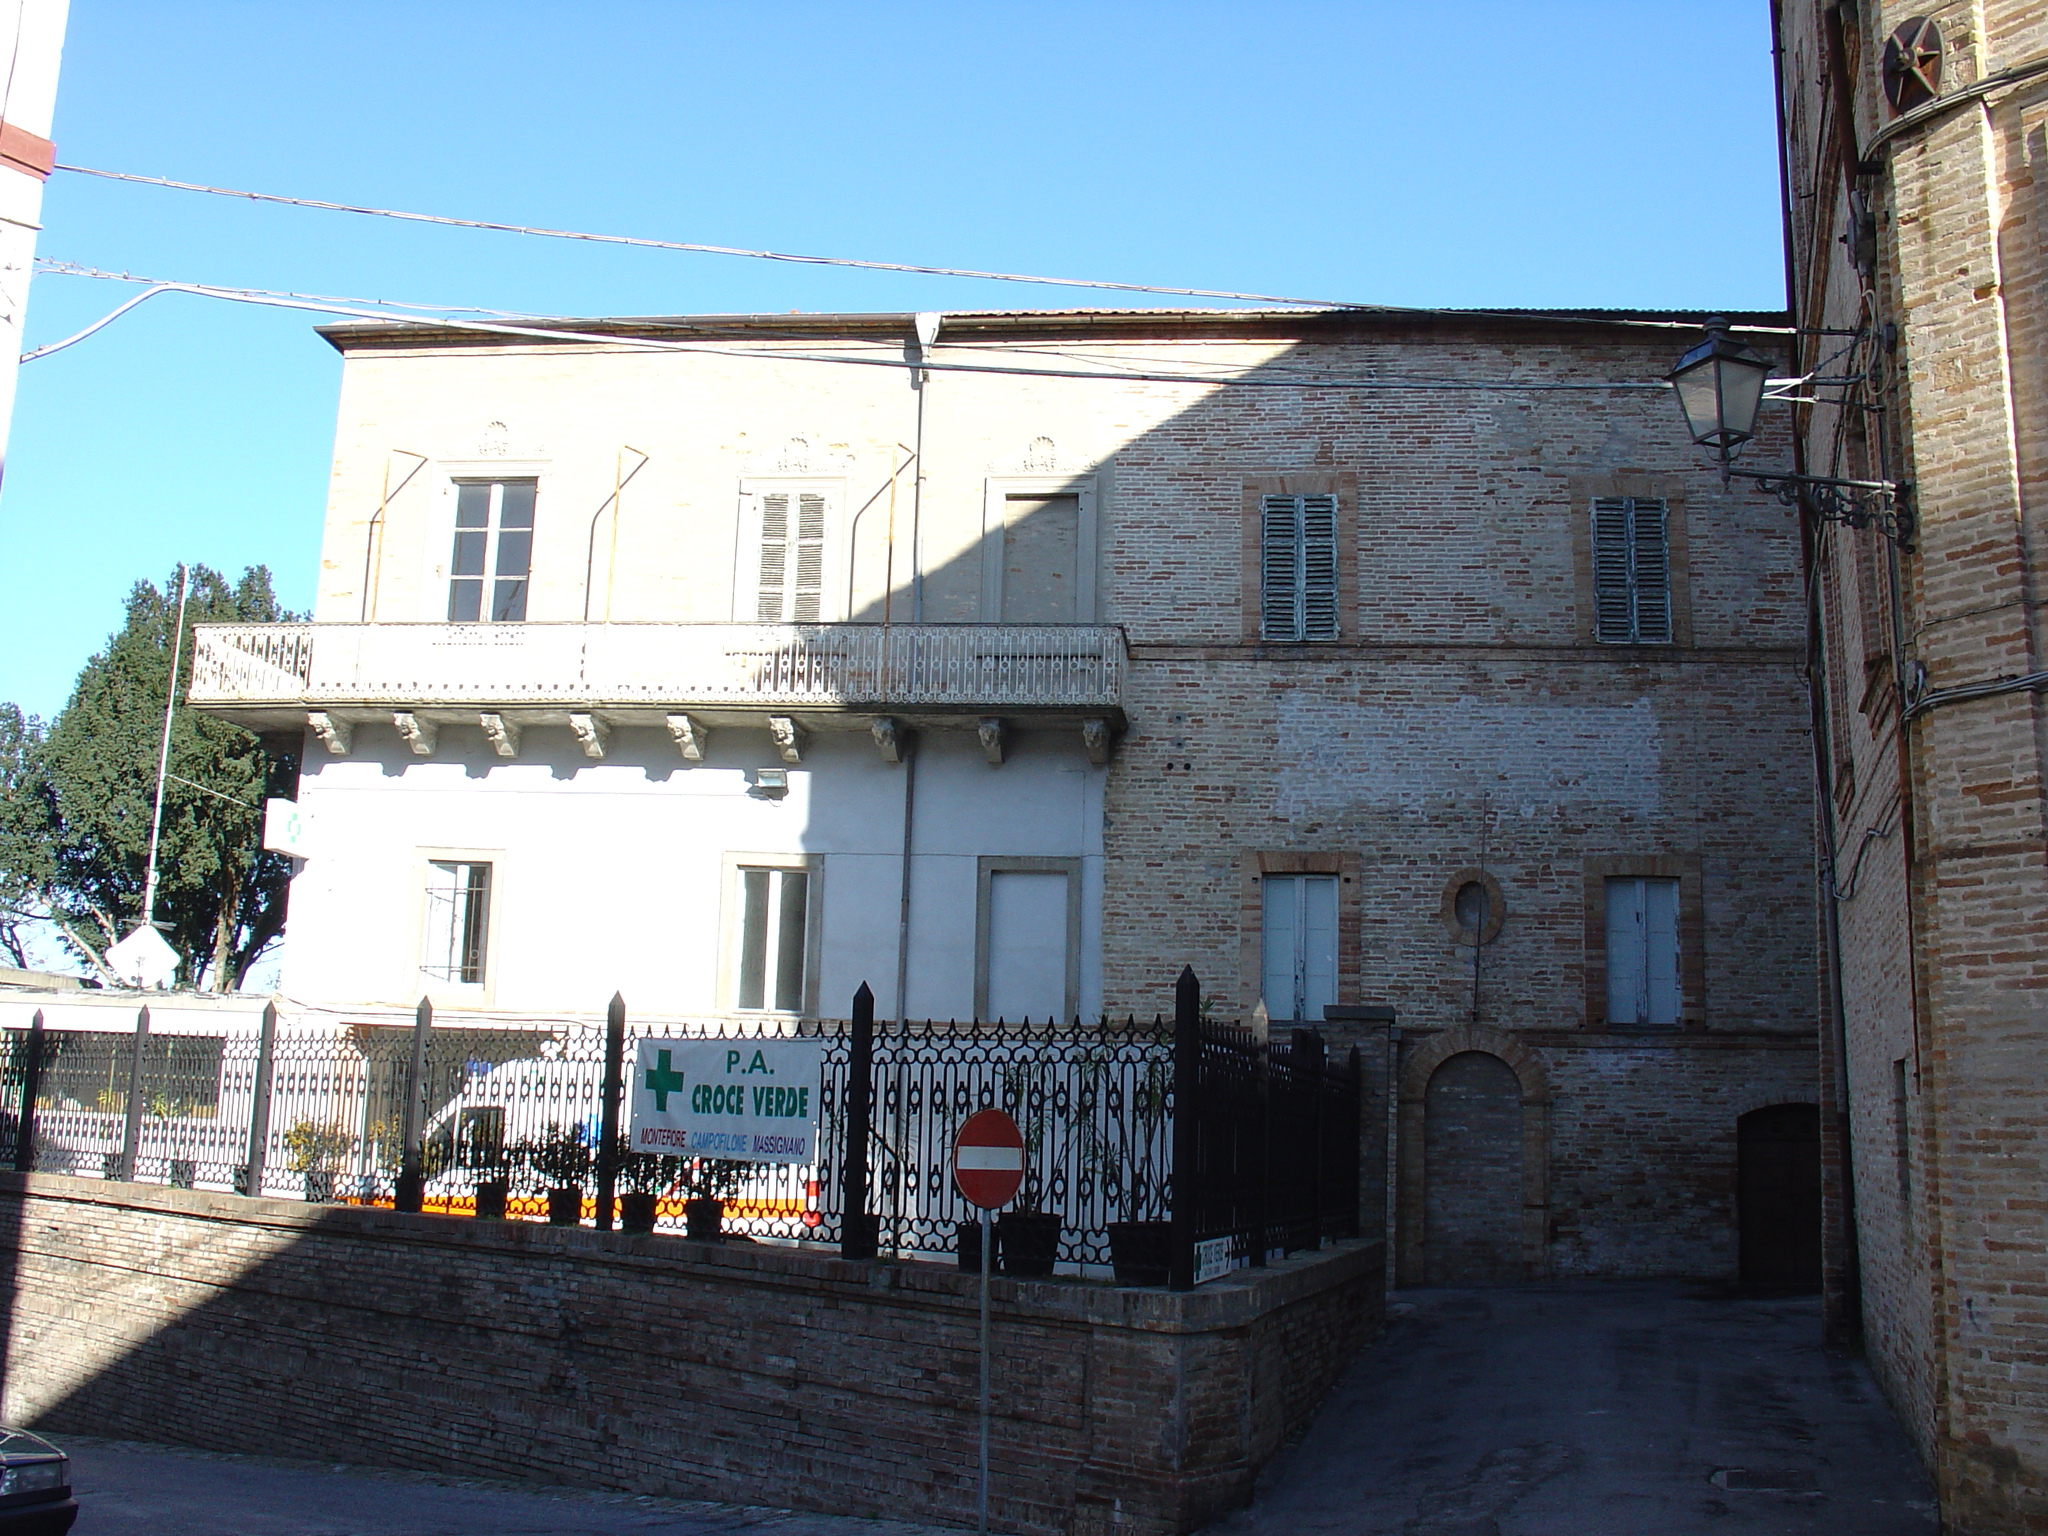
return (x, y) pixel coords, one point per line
(319, 1112)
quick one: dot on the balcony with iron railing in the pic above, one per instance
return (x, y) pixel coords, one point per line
(688, 678)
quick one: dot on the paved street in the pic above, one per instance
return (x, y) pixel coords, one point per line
(1604, 1409)
(140, 1490)
(1615, 1409)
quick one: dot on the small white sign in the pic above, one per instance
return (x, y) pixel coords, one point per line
(286, 828)
(143, 959)
(750, 1100)
(1212, 1260)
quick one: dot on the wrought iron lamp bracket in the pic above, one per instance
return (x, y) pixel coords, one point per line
(1879, 504)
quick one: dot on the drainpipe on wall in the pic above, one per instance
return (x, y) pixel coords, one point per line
(927, 322)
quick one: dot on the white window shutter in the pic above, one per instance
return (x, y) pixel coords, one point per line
(808, 588)
(1660, 951)
(1318, 567)
(1625, 955)
(1318, 946)
(1280, 569)
(774, 557)
(1280, 945)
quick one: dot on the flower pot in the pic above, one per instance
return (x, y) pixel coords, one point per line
(703, 1216)
(184, 1172)
(320, 1185)
(968, 1246)
(490, 1199)
(565, 1207)
(1140, 1251)
(1027, 1243)
(637, 1211)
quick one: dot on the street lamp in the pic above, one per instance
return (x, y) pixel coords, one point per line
(1720, 385)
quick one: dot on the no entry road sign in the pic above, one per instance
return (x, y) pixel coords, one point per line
(988, 1159)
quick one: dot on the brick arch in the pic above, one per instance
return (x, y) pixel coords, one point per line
(1411, 1174)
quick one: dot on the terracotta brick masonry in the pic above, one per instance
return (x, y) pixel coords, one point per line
(651, 1364)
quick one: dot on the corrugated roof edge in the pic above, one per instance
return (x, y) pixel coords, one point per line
(1029, 323)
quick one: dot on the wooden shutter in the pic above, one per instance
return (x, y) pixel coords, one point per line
(1318, 567)
(1626, 960)
(808, 588)
(1650, 570)
(792, 585)
(1280, 567)
(774, 558)
(1613, 610)
(1631, 571)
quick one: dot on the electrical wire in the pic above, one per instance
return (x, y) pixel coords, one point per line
(862, 264)
(557, 333)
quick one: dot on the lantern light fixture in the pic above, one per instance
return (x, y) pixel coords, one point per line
(1720, 387)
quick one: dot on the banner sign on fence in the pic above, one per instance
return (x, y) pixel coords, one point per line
(1212, 1260)
(750, 1100)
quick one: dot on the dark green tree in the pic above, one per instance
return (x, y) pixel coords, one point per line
(89, 783)
(27, 860)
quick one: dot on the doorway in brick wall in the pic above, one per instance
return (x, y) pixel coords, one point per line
(1472, 1172)
(1777, 1197)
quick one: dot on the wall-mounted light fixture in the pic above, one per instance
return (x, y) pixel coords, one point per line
(1720, 387)
(768, 783)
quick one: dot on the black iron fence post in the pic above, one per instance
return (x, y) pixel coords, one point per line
(131, 1129)
(259, 1103)
(1187, 1128)
(411, 1194)
(608, 1117)
(31, 1085)
(857, 1234)
(1261, 1182)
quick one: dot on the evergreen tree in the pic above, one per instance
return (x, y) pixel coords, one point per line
(74, 837)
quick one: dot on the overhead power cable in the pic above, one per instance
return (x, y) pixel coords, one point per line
(879, 357)
(861, 264)
(702, 249)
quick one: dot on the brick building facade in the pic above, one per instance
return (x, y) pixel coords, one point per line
(1915, 168)
(1298, 647)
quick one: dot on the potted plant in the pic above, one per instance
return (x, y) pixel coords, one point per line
(645, 1176)
(1139, 1249)
(561, 1159)
(709, 1182)
(316, 1153)
(1027, 1239)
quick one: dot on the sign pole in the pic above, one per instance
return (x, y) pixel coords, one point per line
(988, 1260)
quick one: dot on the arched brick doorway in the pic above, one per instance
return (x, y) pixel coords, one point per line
(1472, 1172)
(1777, 1196)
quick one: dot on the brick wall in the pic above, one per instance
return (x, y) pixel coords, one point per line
(1939, 800)
(654, 1365)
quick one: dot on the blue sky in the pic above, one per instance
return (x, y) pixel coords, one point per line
(1617, 154)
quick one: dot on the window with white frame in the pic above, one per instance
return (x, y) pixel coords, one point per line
(458, 920)
(1298, 946)
(791, 584)
(1631, 570)
(1642, 951)
(492, 565)
(1298, 567)
(770, 970)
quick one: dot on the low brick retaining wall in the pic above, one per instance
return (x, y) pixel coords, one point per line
(651, 1364)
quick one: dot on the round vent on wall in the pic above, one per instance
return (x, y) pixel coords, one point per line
(1912, 64)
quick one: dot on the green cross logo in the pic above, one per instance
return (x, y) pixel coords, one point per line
(663, 1080)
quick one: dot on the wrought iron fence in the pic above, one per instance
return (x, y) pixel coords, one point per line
(1258, 1147)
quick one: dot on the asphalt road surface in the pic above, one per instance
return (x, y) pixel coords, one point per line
(146, 1490)
(1603, 1409)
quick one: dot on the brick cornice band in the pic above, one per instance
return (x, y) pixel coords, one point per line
(25, 151)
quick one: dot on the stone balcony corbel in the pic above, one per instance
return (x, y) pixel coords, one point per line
(692, 737)
(593, 733)
(420, 733)
(789, 738)
(336, 734)
(502, 734)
